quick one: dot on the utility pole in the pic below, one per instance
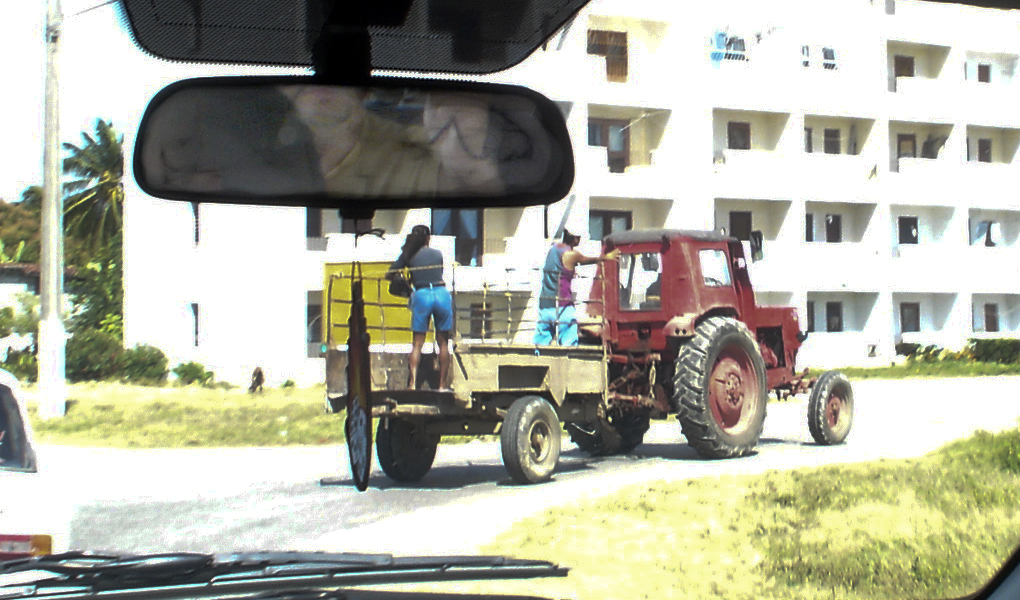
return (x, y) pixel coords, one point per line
(52, 338)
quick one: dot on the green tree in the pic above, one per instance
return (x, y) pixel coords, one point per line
(99, 293)
(20, 222)
(94, 204)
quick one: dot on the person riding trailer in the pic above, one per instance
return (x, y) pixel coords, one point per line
(557, 316)
(430, 300)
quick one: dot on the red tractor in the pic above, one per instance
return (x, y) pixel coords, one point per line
(685, 336)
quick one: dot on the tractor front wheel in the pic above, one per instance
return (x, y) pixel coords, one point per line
(830, 408)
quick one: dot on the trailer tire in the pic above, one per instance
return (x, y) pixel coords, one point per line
(719, 387)
(830, 408)
(405, 451)
(610, 437)
(530, 440)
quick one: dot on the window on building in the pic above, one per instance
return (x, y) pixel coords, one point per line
(740, 224)
(604, 222)
(465, 224)
(738, 135)
(735, 49)
(481, 321)
(906, 145)
(984, 150)
(313, 222)
(313, 317)
(984, 73)
(809, 227)
(194, 323)
(810, 316)
(614, 136)
(832, 142)
(907, 230)
(991, 317)
(194, 213)
(833, 229)
(355, 225)
(903, 66)
(809, 145)
(833, 317)
(805, 56)
(985, 233)
(910, 317)
(613, 46)
(932, 145)
(829, 59)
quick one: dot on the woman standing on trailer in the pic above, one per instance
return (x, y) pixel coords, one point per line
(430, 301)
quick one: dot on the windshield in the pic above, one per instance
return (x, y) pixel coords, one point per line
(804, 387)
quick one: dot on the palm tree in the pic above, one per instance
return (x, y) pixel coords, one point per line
(94, 205)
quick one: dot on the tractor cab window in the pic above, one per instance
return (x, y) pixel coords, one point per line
(641, 281)
(714, 268)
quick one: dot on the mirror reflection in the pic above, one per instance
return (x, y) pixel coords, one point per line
(348, 142)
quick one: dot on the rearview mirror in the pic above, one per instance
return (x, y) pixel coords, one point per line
(757, 246)
(395, 143)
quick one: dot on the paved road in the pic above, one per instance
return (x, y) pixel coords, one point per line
(274, 498)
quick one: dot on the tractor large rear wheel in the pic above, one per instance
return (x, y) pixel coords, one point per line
(719, 385)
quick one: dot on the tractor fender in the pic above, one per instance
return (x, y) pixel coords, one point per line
(681, 325)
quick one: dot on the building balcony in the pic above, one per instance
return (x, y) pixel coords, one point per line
(636, 181)
(842, 177)
(924, 181)
(754, 174)
(825, 266)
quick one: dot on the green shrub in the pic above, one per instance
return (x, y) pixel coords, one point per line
(907, 349)
(22, 364)
(144, 364)
(1002, 351)
(92, 355)
(288, 384)
(192, 372)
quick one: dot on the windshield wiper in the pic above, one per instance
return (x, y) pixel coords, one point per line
(126, 576)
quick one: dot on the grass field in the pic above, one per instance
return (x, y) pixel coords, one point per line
(934, 527)
(946, 368)
(126, 416)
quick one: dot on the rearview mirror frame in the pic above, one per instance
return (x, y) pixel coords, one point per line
(554, 184)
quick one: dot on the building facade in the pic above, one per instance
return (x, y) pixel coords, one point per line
(873, 145)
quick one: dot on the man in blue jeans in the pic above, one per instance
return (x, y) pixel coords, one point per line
(557, 316)
(430, 301)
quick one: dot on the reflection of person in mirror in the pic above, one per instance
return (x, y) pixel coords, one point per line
(461, 134)
(430, 301)
(361, 153)
(557, 316)
(227, 139)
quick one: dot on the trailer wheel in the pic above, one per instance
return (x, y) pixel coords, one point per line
(830, 408)
(719, 386)
(405, 451)
(530, 440)
(606, 437)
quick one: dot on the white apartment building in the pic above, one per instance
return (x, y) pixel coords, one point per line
(874, 145)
